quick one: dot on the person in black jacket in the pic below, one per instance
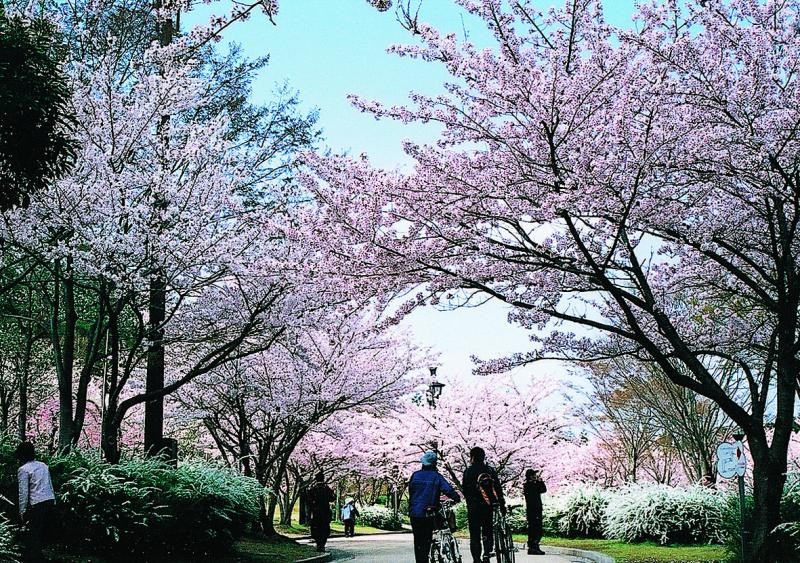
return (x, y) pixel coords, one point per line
(482, 491)
(319, 498)
(533, 489)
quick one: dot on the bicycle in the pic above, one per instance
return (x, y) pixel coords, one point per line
(503, 540)
(444, 547)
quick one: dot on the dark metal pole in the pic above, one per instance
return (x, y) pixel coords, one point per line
(741, 516)
(739, 436)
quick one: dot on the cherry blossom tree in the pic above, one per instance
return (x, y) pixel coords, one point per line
(638, 184)
(217, 172)
(257, 410)
(519, 427)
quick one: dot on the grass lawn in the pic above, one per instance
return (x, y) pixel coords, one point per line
(250, 549)
(641, 552)
(337, 528)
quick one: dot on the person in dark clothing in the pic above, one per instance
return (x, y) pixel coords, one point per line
(479, 504)
(424, 489)
(533, 489)
(319, 498)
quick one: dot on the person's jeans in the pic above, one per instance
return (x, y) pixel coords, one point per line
(480, 531)
(534, 531)
(422, 528)
(350, 527)
(320, 530)
(39, 518)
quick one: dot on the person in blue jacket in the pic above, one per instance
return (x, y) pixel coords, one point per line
(424, 490)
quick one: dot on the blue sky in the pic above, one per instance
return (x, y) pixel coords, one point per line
(327, 49)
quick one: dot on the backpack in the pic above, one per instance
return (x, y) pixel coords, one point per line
(488, 489)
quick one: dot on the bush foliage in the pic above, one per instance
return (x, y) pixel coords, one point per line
(787, 534)
(665, 514)
(141, 506)
(577, 513)
(379, 517)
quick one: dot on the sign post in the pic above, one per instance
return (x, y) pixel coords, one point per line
(731, 461)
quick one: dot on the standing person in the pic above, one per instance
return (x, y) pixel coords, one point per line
(36, 500)
(424, 489)
(482, 492)
(349, 515)
(533, 489)
(319, 498)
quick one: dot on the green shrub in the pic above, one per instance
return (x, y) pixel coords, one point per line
(786, 535)
(145, 506)
(379, 517)
(106, 505)
(665, 514)
(9, 550)
(461, 515)
(210, 507)
(517, 519)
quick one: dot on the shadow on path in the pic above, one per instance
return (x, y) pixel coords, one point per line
(398, 548)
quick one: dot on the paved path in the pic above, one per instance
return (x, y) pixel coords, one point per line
(398, 548)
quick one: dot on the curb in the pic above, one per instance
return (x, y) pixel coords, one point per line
(591, 556)
(361, 535)
(322, 557)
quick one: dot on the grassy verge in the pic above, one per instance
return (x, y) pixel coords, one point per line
(272, 550)
(646, 552)
(251, 549)
(337, 528)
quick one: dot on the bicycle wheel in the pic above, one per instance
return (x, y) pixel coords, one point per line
(435, 554)
(447, 553)
(454, 550)
(498, 545)
(510, 549)
(504, 546)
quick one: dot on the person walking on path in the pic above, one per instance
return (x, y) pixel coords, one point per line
(483, 492)
(349, 514)
(319, 498)
(36, 500)
(424, 489)
(533, 489)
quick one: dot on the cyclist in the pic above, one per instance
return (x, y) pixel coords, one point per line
(424, 490)
(482, 491)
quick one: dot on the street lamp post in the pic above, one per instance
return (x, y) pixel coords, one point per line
(434, 389)
(739, 436)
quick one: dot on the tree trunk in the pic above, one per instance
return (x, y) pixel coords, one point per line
(24, 375)
(64, 347)
(110, 430)
(768, 481)
(286, 501)
(109, 439)
(154, 409)
(91, 357)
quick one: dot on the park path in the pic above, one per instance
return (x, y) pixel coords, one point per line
(397, 548)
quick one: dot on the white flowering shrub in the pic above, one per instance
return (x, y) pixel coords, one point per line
(379, 517)
(665, 514)
(575, 513)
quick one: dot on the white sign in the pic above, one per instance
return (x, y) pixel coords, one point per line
(731, 460)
